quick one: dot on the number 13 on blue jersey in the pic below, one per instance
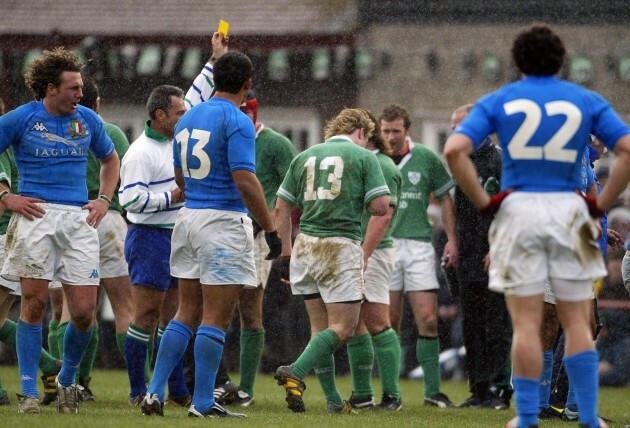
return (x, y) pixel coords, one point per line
(202, 138)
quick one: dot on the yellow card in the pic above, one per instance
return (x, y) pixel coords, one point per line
(223, 27)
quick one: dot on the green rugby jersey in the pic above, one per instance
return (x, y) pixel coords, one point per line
(393, 178)
(8, 174)
(274, 153)
(121, 144)
(333, 182)
(423, 173)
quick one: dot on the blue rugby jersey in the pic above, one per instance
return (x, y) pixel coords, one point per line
(51, 151)
(211, 141)
(543, 125)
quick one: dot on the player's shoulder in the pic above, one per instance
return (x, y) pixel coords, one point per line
(422, 150)
(88, 114)
(23, 112)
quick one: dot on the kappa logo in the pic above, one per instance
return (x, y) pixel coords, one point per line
(39, 127)
(94, 273)
(414, 177)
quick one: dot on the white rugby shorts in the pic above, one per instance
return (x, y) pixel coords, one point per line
(111, 238)
(378, 275)
(214, 246)
(415, 266)
(13, 286)
(540, 237)
(332, 267)
(59, 246)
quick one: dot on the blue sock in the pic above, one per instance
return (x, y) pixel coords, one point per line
(28, 346)
(545, 380)
(526, 399)
(136, 344)
(172, 347)
(176, 381)
(75, 342)
(582, 371)
(208, 352)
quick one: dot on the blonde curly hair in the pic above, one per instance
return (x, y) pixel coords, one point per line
(48, 68)
(348, 121)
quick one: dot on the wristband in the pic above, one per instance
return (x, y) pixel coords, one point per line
(103, 197)
(4, 193)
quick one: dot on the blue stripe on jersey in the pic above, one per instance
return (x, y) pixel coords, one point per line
(198, 91)
(153, 183)
(174, 208)
(146, 203)
(206, 67)
(168, 202)
(138, 183)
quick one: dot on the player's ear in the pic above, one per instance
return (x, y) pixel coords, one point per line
(248, 84)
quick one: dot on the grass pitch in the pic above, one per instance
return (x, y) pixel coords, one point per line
(113, 410)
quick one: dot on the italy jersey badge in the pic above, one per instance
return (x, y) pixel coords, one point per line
(76, 129)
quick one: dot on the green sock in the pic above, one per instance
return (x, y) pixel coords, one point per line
(252, 344)
(361, 359)
(325, 371)
(53, 350)
(322, 344)
(85, 368)
(61, 332)
(147, 362)
(120, 343)
(428, 353)
(47, 363)
(7, 334)
(387, 350)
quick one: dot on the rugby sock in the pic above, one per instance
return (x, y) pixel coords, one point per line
(53, 349)
(361, 359)
(545, 380)
(387, 350)
(325, 371)
(170, 353)
(7, 334)
(208, 352)
(252, 344)
(428, 354)
(47, 364)
(322, 344)
(28, 341)
(85, 369)
(120, 343)
(136, 344)
(582, 371)
(177, 381)
(61, 334)
(74, 345)
(526, 397)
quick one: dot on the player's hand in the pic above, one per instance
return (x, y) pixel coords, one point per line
(219, 45)
(591, 203)
(274, 243)
(24, 205)
(615, 239)
(486, 262)
(97, 208)
(495, 202)
(177, 196)
(450, 254)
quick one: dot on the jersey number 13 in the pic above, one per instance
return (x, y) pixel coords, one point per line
(202, 137)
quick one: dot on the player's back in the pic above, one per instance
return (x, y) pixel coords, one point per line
(543, 124)
(211, 140)
(333, 181)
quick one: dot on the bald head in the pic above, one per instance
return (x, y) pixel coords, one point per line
(460, 114)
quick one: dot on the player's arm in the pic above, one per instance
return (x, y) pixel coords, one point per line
(135, 176)
(254, 199)
(378, 206)
(202, 87)
(457, 153)
(376, 229)
(282, 218)
(448, 218)
(110, 167)
(618, 180)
